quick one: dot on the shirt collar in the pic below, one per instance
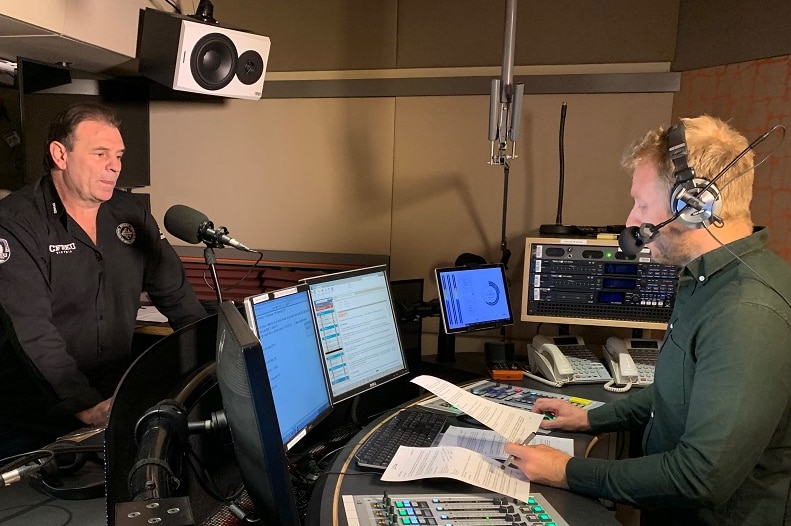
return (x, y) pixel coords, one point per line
(55, 208)
(703, 267)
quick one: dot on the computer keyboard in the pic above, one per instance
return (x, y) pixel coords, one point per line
(410, 427)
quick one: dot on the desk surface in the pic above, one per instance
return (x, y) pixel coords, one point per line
(20, 505)
(343, 478)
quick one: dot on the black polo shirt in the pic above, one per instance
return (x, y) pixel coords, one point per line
(72, 303)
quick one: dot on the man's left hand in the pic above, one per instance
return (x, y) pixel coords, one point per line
(542, 464)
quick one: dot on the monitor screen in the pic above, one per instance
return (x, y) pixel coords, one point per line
(283, 322)
(473, 298)
(357, 330)
(250, 410)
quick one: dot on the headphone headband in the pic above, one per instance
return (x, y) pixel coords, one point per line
(677, 147)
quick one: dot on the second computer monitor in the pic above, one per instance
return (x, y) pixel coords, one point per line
(473, 298)
(283, 321)
(357, 330)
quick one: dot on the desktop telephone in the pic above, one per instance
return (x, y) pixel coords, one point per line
(631, 362)
(561, 360)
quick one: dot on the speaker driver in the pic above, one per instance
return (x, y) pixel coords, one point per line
(250, 67)
(213, 61)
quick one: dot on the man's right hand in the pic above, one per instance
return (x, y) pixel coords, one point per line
(96, 415)
(561, 415)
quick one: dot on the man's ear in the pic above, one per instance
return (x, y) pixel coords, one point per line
(57, 150)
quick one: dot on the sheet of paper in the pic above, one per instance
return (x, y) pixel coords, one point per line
(150, 313)
(512, 423)
(490, 444)
(412, 463)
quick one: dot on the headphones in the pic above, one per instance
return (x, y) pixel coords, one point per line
(695, 200)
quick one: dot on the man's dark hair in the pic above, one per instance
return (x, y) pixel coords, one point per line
(62, 128)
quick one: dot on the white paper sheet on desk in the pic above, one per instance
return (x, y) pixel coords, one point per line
(150, 313)
(512, 423)
(491, 444)
(412, 463)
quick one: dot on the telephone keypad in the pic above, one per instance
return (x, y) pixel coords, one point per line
(587, 368)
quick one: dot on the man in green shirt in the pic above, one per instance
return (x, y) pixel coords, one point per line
(717, 419)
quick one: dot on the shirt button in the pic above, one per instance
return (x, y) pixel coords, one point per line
(701, 278)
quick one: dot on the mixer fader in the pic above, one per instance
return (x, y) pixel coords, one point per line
(453, 509)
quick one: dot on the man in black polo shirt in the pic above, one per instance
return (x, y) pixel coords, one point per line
(77, 253)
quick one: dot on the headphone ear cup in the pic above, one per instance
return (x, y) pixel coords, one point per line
(696, 217)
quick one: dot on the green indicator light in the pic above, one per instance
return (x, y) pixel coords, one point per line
(609, 254)
(531, 500)
(544, 517)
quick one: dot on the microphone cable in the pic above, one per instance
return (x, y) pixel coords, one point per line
(242, 279)
(751, 269)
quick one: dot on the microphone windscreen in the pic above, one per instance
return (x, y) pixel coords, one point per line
(630, 241)
(184, 223)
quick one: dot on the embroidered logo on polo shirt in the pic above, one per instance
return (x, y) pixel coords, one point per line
(63, 249)
(5, 251)
(126, 233)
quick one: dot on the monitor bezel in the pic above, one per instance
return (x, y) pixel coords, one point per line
(249, 309)
(263, 463)
(337, 276)
(493, 324)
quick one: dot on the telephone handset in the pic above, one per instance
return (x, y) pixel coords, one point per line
(562, 360)
(631, 362)
(546, 359)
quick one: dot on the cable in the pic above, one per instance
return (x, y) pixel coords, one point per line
(45, 504)
(743, 262)
(174, 6)
(241, 280)
(609, 387)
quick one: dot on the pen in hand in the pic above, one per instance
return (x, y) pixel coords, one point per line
(525, 442)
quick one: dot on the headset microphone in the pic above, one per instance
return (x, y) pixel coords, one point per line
(633, 238)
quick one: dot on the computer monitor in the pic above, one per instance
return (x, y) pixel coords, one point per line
(357, 330)
(283, 322)
(250, 410)
(473, 298)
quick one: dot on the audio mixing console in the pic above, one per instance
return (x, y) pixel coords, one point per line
(449, 510)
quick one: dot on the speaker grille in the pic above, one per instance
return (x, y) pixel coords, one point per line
(249, 67)
(213, 61)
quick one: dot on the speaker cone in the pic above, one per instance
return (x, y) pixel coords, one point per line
(250, 67)
(213, 61)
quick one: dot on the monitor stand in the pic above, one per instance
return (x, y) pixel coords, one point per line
(446, 346)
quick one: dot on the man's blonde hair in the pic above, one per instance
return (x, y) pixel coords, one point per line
(711, 145)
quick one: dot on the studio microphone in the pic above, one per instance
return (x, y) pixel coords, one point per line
(194, 227)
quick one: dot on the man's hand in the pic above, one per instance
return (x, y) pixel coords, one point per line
(561, 415)
(542, 464)
(96, 415)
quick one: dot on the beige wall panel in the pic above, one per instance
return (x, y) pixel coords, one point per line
(109, 25)
(447, 200)
(49, 14)
(319, 35)
(307, 175)
(443, 33)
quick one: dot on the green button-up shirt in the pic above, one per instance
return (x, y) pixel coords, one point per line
(717, 419)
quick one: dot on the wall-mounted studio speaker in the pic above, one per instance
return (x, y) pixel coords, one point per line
(187, 54)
